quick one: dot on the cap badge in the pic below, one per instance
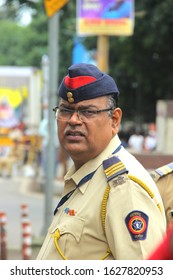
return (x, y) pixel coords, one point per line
(70, 97)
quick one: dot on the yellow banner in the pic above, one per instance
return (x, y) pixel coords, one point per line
(105, 17)
(14, 97)
(52, 6)
(123, 27)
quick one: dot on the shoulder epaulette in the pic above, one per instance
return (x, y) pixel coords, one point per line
(113, 167)
(164, 170)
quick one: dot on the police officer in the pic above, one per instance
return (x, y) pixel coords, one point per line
(111, 207)
(163, 176)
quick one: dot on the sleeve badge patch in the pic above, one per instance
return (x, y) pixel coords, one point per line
(137, 225)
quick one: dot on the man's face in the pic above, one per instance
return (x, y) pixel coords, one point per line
(85, 140)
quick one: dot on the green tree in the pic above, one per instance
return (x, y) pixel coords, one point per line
(142, 63)
(11, 52)
(22, 45)
(12, 9)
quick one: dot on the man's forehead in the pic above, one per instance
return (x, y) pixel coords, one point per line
(95, 102)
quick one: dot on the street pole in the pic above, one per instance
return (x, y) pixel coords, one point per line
(53, 32)
(45, 71)
(103, 53)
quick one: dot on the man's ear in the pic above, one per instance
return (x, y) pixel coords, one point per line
(116, 120)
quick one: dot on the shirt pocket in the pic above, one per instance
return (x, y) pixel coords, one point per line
(72, 225)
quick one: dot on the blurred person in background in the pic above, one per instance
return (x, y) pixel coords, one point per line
(136, 141)
(163, 176)
(150, 139)
(10, 157)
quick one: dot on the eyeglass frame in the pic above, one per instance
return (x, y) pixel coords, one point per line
(72, 111)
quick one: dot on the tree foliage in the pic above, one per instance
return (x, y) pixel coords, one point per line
(146, 57)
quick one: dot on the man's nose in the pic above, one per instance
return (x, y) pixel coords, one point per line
(74, 117)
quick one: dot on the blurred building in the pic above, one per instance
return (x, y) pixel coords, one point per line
(164, 123)
(20, 88)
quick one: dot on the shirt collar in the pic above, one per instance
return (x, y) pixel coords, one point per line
(93, 164)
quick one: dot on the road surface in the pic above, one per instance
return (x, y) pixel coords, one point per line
(14, 192)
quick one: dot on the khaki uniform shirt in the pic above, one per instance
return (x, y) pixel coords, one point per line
(78, 220)
(163, 177)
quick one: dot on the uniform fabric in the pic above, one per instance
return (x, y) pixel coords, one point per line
(163, 177)
(82, 236)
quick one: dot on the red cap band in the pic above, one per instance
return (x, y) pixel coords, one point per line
(76, 82)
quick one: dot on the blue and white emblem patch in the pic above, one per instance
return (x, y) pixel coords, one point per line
(137, 225)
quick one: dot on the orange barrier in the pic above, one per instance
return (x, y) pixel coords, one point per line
(3, 237)
(26, 233)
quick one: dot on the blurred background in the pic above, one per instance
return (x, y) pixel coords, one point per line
(130, 40)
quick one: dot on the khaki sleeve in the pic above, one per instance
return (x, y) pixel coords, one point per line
(134, 224)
